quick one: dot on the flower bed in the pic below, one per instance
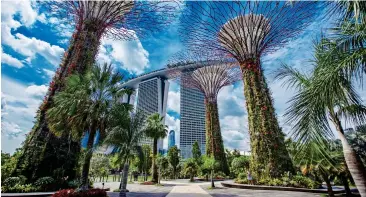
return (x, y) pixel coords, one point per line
(147, 183)
(75, 193)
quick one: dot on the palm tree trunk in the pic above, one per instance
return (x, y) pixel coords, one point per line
(154, 168)
(87, 158)
(214, 142)
(346, 185)
(329, 186)
(124, 178)
(212, 179)
(266, 138)
(353, 161)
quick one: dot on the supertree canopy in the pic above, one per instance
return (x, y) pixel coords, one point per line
(208, 73)
(44, 154)
(248, 30)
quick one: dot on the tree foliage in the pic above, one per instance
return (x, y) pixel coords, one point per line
(173, 158)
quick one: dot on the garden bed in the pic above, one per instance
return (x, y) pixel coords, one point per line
(264, 187)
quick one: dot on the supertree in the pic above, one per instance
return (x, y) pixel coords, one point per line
(248, 30)
(207, 73)
(43, 153)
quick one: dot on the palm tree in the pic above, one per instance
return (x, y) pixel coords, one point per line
(321, 99)
(124, 133)
(316, 159)
(190, 169)
(155, 129)
(84, 107)
(210, 164)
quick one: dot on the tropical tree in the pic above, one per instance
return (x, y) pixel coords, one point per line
(146, 159)
(84, 106)
(357, 140)
(99, 166)
(320, 99)
(196, 153)
(163, 165)
(210, 163)
(155, 129)
(240, 164)
(190, 169)
(125, 131)
(173, 158)
(316, 159)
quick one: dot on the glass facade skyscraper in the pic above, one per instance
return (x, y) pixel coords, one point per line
(192, 121)
(152, 98)
(171, 139)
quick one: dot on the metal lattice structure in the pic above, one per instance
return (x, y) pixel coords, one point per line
(244, 29)
(247, 30)
(208, 73)
(119, 19)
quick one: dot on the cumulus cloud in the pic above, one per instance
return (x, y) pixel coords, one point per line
(35, 90)
(49, 73)
(21, 102)
(174, 101)
(130, 54)
(10, 129)
(11, 61)
(20, 43)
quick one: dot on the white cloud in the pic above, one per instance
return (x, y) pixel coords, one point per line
(26, 46)
(49, 73)
(174, 101)
(131, 54)
(10, 129)
(35, 90)
(22, 102)
(11, 61)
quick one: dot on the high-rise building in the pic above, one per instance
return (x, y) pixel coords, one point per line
(171, 139)
(152, 98)
(192, 121)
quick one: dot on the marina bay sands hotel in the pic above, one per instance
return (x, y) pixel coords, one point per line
(152, 95)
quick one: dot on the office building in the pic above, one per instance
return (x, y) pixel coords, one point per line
(192, 121)
(171, 139)
(152, 98)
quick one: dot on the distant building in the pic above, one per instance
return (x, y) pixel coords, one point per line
(152, 98)
(171, 139)
(349, 130)
(192, 121)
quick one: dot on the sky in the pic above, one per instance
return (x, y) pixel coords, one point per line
(32, 43)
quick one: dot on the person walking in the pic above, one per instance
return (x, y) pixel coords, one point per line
(250, 178)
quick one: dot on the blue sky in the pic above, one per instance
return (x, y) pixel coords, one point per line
(32, 43)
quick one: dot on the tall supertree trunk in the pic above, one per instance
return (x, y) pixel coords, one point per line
(269, 154)
(44, 154)
(214, 142)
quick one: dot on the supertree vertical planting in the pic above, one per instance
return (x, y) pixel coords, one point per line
(248, 30)
(208, 73)
(44, 154)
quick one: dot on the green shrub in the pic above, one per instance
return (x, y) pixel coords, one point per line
(19, 188)
(73, 184)
(116, 190)
(275, 182)
(219, 175)
(45, 183)
(12, 181)
(242, 176)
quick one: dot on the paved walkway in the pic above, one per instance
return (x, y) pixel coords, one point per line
(188, 191)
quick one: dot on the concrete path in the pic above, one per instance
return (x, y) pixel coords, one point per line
(188, 191)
